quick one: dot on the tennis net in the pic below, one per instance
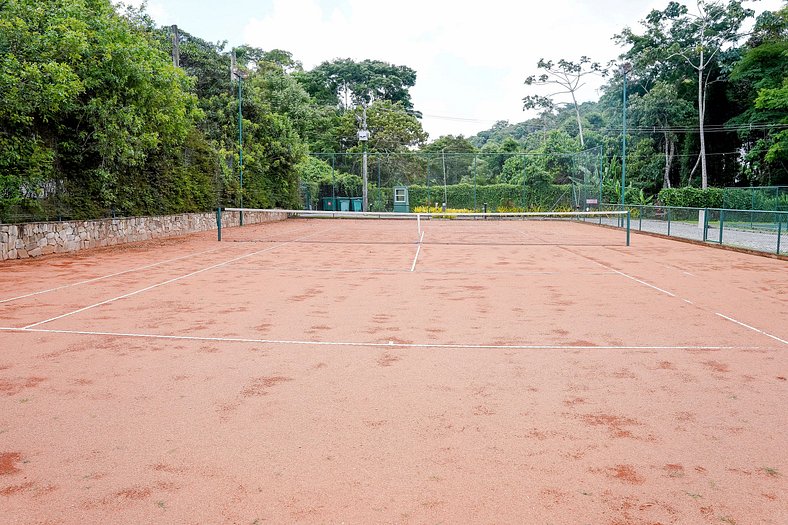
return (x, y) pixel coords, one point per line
(601, 228)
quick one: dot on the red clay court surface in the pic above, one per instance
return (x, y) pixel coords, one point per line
(343, 381)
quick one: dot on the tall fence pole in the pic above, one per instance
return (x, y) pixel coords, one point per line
(722, 223)
(219, 224)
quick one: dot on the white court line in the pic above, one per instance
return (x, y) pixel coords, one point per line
(418, 250)
(168, 281)
(644, 283)
(390, 344)
(753, 328)
(106, 276)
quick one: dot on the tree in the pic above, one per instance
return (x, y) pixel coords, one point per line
(697, 40)
(776, 101)
(663, 110)
(452, 157)
(568, 76)
(391, 128)
(350, 83)
(763, 67)
(89, 102)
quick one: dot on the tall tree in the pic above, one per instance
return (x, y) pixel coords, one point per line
(663, 110)
(568, 77)
(695, 39)
(762, 68)
(351, 83)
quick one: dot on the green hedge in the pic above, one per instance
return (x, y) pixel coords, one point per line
(496, 196)
(729, 198)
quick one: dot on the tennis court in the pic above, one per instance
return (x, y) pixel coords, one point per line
(323, 370)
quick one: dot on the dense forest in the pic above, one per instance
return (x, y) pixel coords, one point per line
(104, 113)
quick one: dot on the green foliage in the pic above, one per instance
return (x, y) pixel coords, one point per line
(466, 196)
(691, 197)
(349, 83)
(321, 181)
(89, 106)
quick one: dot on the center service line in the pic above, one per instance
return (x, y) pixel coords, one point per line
(418, 250)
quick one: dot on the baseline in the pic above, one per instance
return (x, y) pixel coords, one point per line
(390, 344)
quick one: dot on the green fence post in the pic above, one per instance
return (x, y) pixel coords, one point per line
(722, 223)
(779, 232)
(380, 189)
(705, 224)
(475, 209)
(219, 223)
(429, 197)
(524, 179)
(640, 218)
(668, 221)
(628, 220)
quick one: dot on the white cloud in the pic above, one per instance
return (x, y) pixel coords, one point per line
(471, 57)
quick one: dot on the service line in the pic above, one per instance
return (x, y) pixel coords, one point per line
(390, 344)
(106, 276)
(168, 281)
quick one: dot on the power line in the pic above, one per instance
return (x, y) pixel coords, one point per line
(718, 128)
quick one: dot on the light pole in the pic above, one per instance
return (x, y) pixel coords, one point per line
(363, 137)
(624, 68)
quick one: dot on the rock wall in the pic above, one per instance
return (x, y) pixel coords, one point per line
(20, 241)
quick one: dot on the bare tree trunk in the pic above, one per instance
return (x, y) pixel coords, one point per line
(704, 177)
(579, 122)
(670, 149)
(692, 173)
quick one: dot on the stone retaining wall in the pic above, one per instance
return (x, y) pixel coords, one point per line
(20, 241)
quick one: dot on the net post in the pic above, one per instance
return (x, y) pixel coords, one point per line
(219, 223)
(779, 232)
(241, 217)
(628, 221)
(418, 223)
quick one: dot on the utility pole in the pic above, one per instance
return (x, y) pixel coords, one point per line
(363, 137)
(176, 51)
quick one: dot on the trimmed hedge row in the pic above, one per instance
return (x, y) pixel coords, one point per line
(496, 196)
(729, 198)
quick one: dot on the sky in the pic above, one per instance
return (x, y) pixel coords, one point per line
(471, 58)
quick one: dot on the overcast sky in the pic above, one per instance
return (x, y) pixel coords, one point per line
(470, 57)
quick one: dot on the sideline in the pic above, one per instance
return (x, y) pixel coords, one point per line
(174, 279)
